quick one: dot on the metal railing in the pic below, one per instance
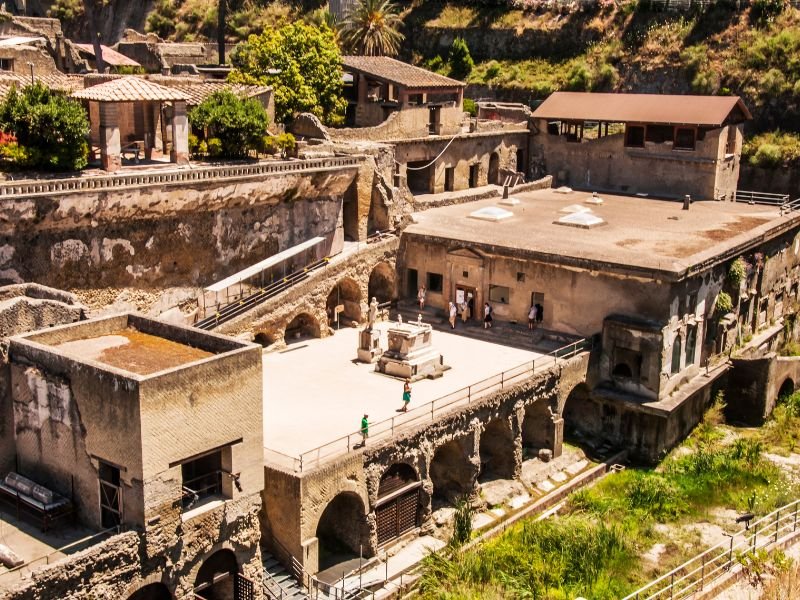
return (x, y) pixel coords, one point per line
(427, 412)
(695, 574)
(65, 185)
(11, 576)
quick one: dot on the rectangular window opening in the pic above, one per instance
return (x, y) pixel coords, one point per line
(684, 139)
(634, 136)
(201, 478)
(110, 495)
(537, 300)
(435, 282)
(658, 134)
(520, 277)
(499, 293)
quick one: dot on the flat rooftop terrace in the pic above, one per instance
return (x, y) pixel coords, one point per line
(316, 392)
(133, 351)
(638, 232)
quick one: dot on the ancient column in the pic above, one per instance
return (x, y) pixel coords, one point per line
(180, 134)
(110, 149)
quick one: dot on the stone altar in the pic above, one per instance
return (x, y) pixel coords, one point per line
(410, 353)
(369, 339)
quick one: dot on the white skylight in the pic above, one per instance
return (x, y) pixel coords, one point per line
(584, 220)
(509, 201)
(491, 213)
(563, 190)
(594, 199)
(576, 208)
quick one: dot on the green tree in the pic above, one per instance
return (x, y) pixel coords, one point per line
(238, 123)
(303, 65)
(461, 63)
(371, 28)
(50, 128)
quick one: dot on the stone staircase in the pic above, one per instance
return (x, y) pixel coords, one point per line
(279, 584)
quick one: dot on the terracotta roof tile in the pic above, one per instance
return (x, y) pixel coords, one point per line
(129, 89)
(400, 73)
(710, 111)
(197, 91)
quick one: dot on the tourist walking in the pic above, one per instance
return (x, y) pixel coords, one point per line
(487, 316)
(464, 312)
(532, 317)
(406, 395)
(453, 312)
(364, 429)
(421, 296)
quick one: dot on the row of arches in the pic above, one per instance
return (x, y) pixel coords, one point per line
(345, 293)
(217, 579)
(348, 528)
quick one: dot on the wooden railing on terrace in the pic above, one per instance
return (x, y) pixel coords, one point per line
(66, 185)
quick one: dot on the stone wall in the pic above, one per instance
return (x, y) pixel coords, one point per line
(409, 122)
(158, 235)
(783, 180)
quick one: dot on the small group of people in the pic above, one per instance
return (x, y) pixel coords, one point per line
(535, 315)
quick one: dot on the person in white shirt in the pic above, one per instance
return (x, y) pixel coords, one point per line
(453, 313)
(532, 317)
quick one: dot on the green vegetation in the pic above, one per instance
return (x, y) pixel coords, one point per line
(737, 271)
(303, 65)
(772, 149)
(781, 433)
(237, 125)
(49, 130)
(372, 27)
(724, 304)
(581, 554)
(470, 107)
(461, 63)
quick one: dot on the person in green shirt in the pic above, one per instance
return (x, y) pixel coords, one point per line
(364, 429)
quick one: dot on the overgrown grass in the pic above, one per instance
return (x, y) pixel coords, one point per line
(594, 549)
(782, 432)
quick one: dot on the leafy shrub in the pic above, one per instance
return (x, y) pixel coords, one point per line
(238, 123)
(435, 64)
(724, 304)
(768, 156)
(269, 145)
(492, 71)
(470, 107)
(50, 129)
(607, 77)
(705, 82)
(579, 78)
(737, 271)
(462, 522)
(214, 147)
(461, 63)
(542, 89)
(774, 82)
(286, 144)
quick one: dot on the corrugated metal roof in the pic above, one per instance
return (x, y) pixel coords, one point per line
(641, 108)
(110, 56)
(21, 40)
(395, 71)
(200, 90)
(129, 89)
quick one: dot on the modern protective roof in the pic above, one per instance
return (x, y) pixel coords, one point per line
(197, 91)
(129, 89)
(712, 111)
(110, 56)
(400, 73)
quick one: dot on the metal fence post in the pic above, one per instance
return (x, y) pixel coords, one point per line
(777, 523)
(794, 527)
(703, 573)
(730, 554)
(672, 585)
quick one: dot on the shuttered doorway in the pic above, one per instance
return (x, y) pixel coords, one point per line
(397, 508)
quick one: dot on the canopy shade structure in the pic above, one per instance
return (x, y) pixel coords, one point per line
(259, 267)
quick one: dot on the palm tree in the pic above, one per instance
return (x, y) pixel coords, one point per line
(370, 28)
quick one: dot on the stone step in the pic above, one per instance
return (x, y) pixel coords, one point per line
(577, 467)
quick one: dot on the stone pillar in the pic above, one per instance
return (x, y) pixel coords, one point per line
(110, 149)
(558, 436)
(460, 98)
(180, 134)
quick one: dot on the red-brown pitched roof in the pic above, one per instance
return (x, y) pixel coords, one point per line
(711, 111)
(129, 89)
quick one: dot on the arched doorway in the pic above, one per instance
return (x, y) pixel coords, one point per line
(786, 389)
(301, 327)
(497, 451)
(382, 283)
(494, 168)
(538, 429)
(452, 473)
(583, 419)
(266, 338)
(342, 531)
(216, 579)
(397, 508)
(347, 295)
(152, 591)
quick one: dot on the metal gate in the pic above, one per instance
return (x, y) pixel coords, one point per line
(397, 515)
(243, 588)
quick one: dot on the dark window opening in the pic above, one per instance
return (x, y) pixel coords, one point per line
(554, 128)
(684, 139)
(521, 161)
(520, 277)
(412, 277)
(692, 303)
(622, 370)
(6, 64)
(691, 343)
(658, 134)
(201, 478)
(449, 179)
(110, 495)
(676, 355)
(627, 364)
(465, 274)
(435, 282)
(473, 176)
(634, 136)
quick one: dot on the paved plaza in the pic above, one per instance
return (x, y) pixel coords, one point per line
(315, 392)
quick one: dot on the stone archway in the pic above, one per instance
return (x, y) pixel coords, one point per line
(151, 591)
(342, 530)
(302, 326)
(452, 472)
(347, 294)
(382, 283)
(583, 419)
(539, 428)
(786, 389)
(216, 578)
(398, 507)
(497, 451)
